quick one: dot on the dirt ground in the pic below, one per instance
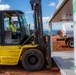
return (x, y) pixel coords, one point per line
(19, 70)
(59, 45)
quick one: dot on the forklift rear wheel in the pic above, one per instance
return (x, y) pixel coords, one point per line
(33, 60)
(71, 43)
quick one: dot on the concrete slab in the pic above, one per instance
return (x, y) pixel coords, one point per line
(65, 61)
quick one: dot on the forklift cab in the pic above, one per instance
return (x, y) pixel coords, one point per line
(11, 49)
(6, 33)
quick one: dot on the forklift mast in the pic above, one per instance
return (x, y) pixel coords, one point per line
(38, 24)
(39, 37)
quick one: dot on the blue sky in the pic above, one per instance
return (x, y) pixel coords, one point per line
(48, 8)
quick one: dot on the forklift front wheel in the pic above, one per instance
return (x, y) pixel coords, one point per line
(33, 60)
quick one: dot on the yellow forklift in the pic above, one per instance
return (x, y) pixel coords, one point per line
(32, 50)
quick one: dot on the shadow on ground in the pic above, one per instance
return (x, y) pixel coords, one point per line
(19, 70)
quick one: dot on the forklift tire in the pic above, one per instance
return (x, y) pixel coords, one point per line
(71, 43)
(32, 60)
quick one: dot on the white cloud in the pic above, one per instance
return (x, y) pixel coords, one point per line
(52, 4)
(46, 23)
(46, 19)
(32, 26)
(4, 7)
(29, 11)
